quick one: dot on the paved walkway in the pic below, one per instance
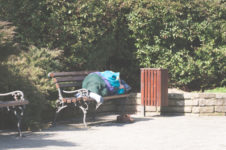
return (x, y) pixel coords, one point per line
(153, 133)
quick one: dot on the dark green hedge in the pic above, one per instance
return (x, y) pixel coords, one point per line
(186, 37)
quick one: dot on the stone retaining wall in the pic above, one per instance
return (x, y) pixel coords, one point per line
(179, 104)
(196, 103)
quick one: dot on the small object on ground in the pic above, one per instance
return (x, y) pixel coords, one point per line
(124, 119)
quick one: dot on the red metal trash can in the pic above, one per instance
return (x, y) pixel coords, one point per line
(154, 87)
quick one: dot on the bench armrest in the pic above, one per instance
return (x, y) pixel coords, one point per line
(17, 95)
(80, 92)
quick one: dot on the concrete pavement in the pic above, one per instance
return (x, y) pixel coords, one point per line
(149, 133)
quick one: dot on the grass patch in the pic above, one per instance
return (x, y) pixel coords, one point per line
(217, 90)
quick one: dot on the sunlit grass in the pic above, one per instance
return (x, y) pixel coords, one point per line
(217, 90)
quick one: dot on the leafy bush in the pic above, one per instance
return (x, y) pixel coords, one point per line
(93, 34)
(187, 37)
(28, 72)
(7, 33)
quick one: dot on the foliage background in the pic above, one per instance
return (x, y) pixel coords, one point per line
(36, 37)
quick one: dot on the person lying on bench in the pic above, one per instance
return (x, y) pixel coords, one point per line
(105, 83)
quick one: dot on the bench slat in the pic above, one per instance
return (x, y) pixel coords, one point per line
(75, 84)
(115, 96)
(68, 79)
(77, 73)
(73, 99)
(12, 103)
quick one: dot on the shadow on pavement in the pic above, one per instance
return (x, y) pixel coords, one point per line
(113, 122)
(102, 120)
(31, 140)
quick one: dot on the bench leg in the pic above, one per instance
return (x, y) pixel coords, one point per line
(84, 110)
(94, 112)
(19, 114)
(57, 112)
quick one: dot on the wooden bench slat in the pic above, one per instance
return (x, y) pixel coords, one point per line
(73, 99)
(68, 79)
(12, 103)
(77, 73)
(63, 85)
(115, 96)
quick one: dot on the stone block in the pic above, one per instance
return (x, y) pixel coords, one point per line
(191, 95)
(137, 95)
(220, 108)
(212, 114)
(191, 102)
(175, 96)
(182, 96)
(187, 109)
(140, 108)
(209, 109)
(137, 98)
(150, 108)
(171, 102)
(179, 102)
(186, 102)
(221, 96)
(177, 109)
(187, 96)
(207, 95)
(195, 109)
(138, 101)
(219, 102)
(207, 102)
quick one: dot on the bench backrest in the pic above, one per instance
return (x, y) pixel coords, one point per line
(68, 79)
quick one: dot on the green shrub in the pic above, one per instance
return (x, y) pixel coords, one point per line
(28, 72)
(187, 37)
(7, 33)
(93, 34)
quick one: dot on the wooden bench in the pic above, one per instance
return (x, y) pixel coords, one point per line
(64, 80)
(17, 105)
